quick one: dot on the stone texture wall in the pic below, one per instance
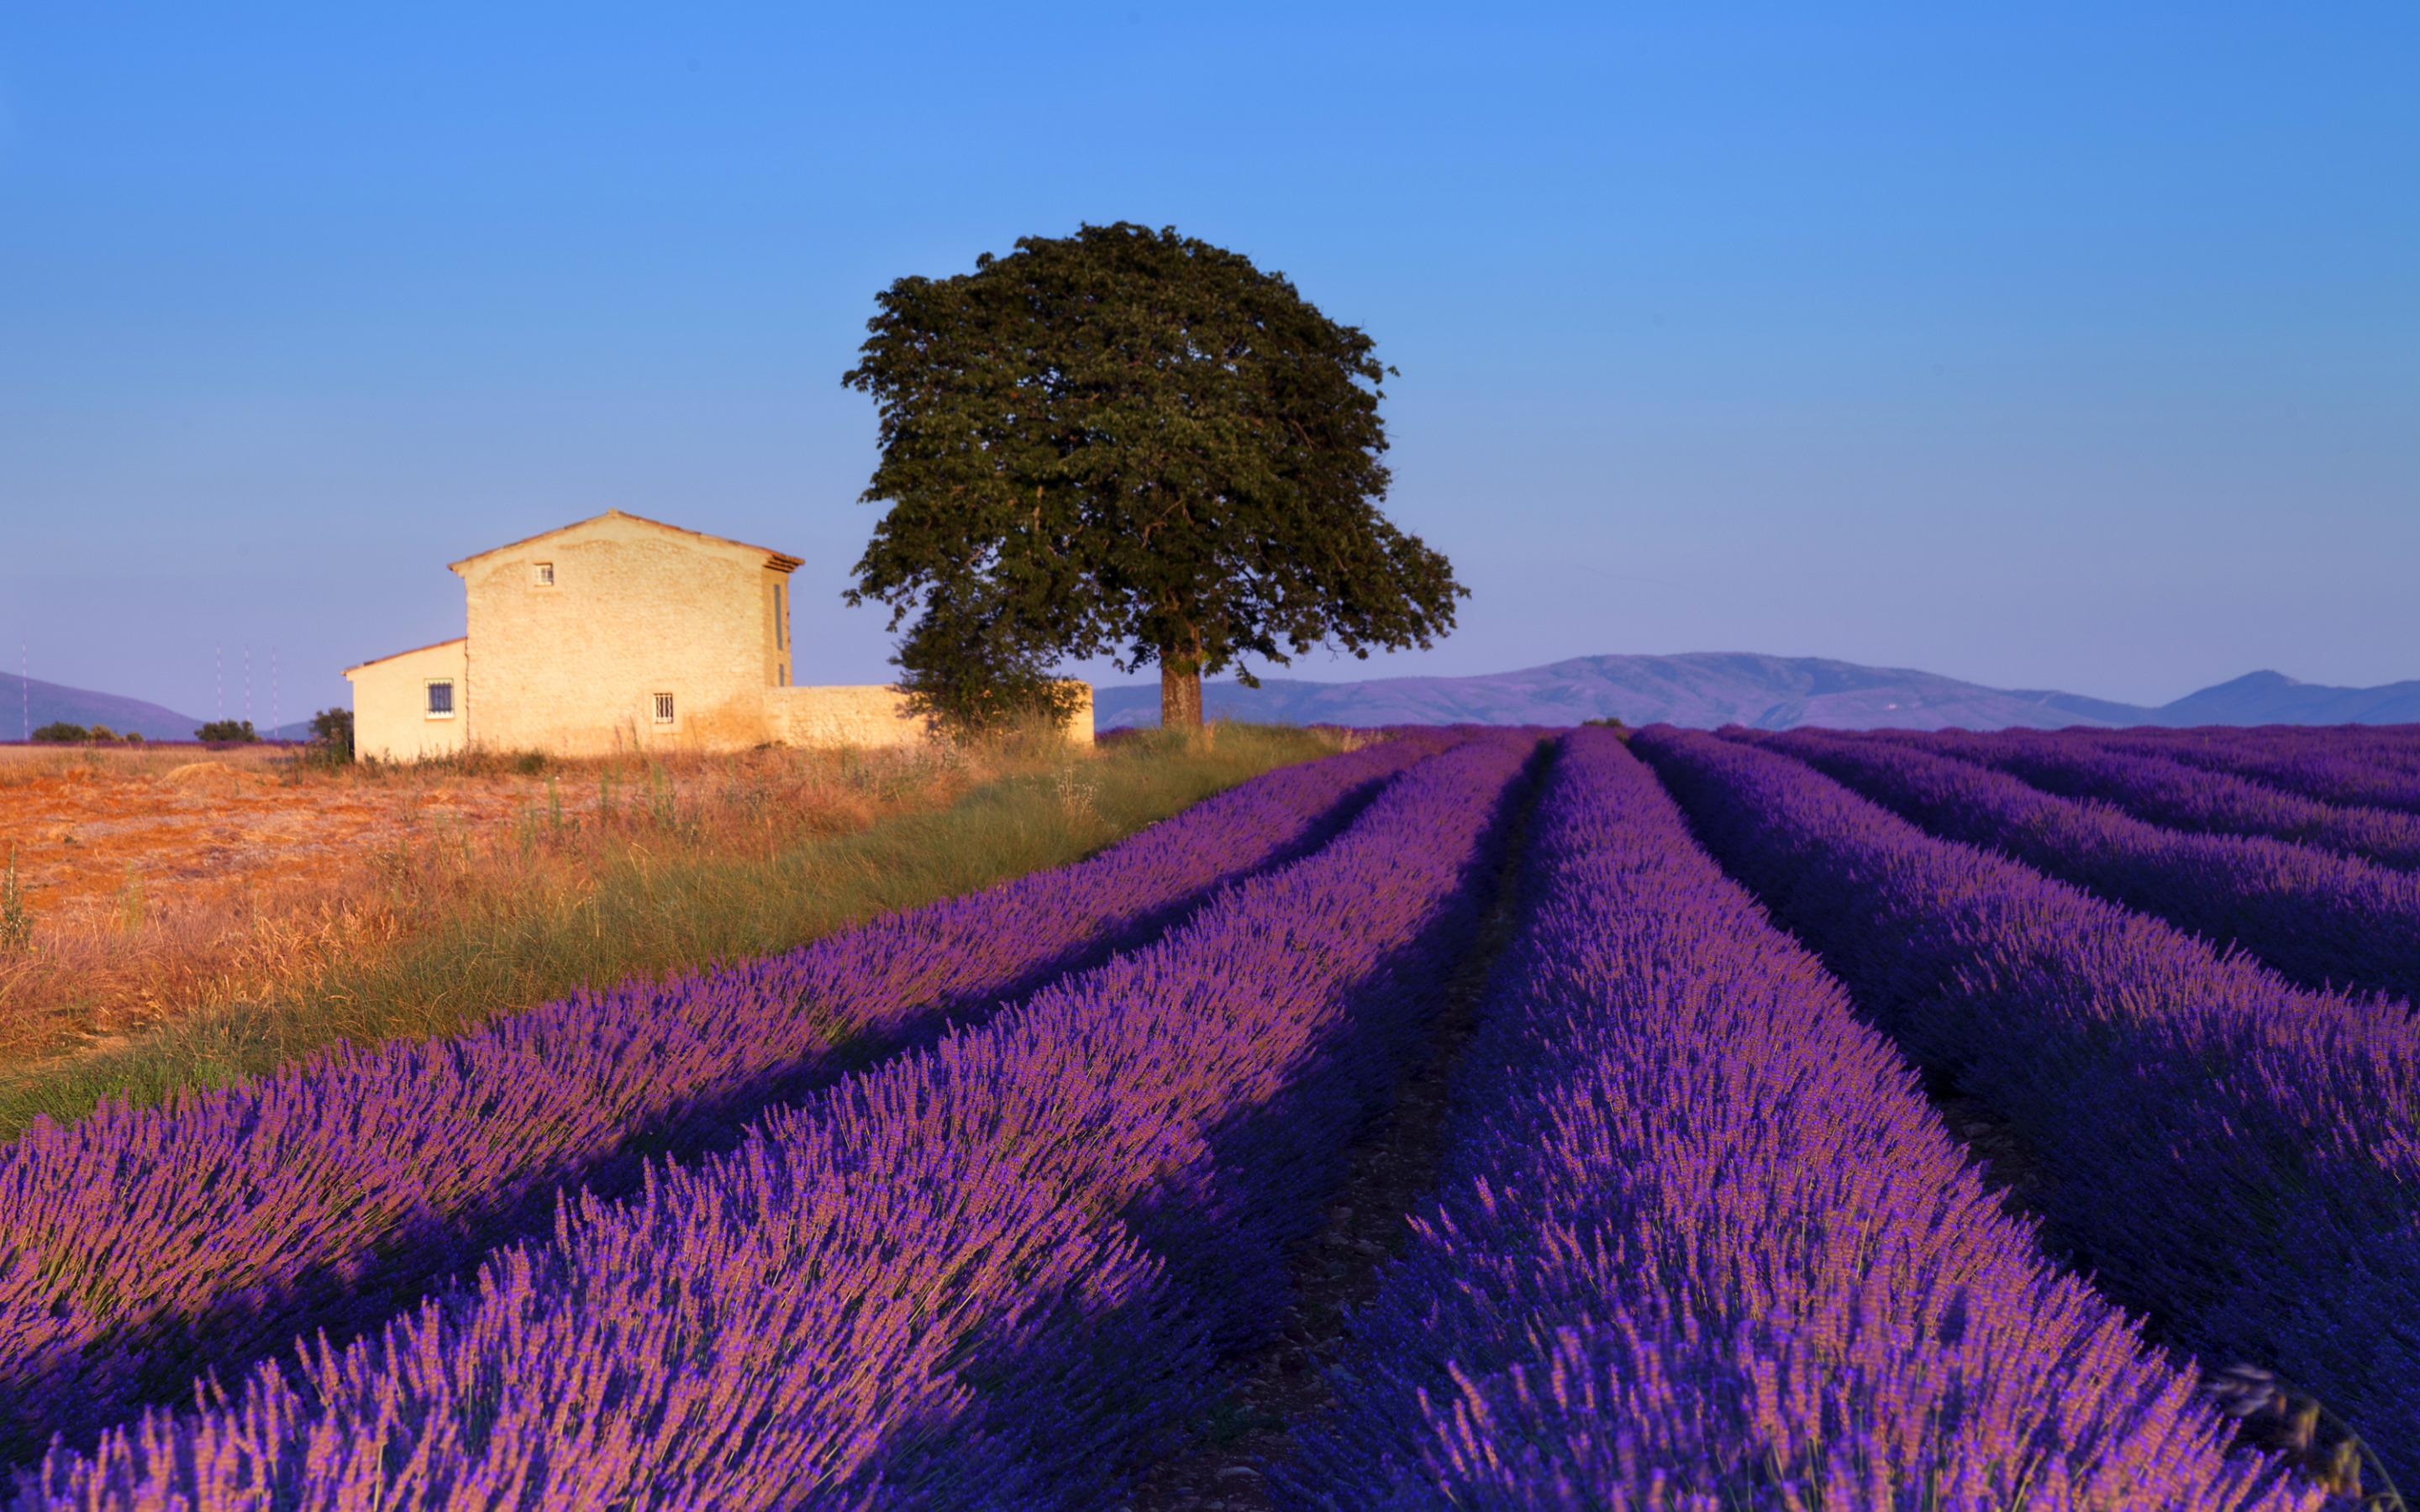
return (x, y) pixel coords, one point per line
(848, 716)
(634, 609)
(871, 716)
(391, 719)
(1079, 724)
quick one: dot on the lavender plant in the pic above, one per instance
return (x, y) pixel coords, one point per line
(2238, 1158)
(143, 1246)
(1702, 1241)
(2159, 790)
(2345, 765)
(986, 1274)
(2323, 920)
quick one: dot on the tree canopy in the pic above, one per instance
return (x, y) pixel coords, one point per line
(1131, 442)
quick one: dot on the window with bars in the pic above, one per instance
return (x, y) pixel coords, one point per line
(542, 575)
(441, 698)
(664, 708)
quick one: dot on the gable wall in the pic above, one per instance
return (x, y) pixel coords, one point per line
(634, 609)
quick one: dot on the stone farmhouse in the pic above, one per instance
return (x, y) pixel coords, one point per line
(620, 634)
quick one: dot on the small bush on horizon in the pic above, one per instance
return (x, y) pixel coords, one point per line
(62, 732)
(332, 740)
(227, 732)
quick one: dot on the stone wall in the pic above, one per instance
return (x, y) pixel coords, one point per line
(1079, 724)
(848, 716)
(868, 716)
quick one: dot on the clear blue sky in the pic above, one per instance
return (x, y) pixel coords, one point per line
(2052, 345)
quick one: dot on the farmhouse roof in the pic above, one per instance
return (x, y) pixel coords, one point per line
(777, 561)
(413, 652)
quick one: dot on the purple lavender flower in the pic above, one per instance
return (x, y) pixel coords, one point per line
(144, 1246)
(2239, 1159)
(1702, 1243)
(985, 1273)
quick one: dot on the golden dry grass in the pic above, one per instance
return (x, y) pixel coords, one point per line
(158, 881)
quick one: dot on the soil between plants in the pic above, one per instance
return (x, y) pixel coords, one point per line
(1392, 1176)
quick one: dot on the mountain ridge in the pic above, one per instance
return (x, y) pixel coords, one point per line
(1709, 688)
(39, 703)
(1697, 689)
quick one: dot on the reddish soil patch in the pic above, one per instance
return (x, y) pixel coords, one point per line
(161, 881)
(200, 826)
(155, 881)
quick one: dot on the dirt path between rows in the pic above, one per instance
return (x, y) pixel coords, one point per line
(1392, 1177)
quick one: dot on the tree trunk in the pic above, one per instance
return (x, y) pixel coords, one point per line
(1180, 694)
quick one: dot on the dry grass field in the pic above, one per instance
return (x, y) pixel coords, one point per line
(189, 914)
(160, 881)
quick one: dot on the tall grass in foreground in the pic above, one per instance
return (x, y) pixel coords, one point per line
(650, 874)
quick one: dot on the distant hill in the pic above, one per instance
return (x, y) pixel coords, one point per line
(28, 704)
(2273, 698)
(1704, 690)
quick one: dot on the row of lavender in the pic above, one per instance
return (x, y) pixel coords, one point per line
(2161, 790)
(1704, 1242)
(2323, 920)
(2365, 766)
(146, 1246)
(986, 1273)
(2239, 1158)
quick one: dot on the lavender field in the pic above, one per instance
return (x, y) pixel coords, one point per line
(1829, 1120)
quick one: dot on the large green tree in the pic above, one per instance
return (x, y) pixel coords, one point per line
(1129, 443)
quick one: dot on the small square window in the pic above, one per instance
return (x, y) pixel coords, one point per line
(542, 575)
(441, 698)
(664, 708)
